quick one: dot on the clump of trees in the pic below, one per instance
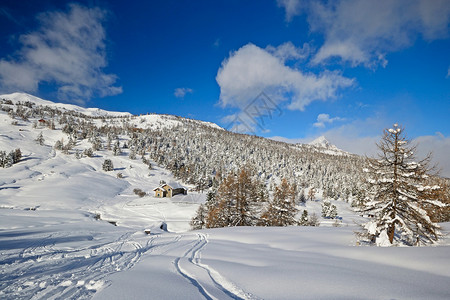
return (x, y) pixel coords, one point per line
(8, 159)
(329, 211)
(242, 200)
(399, 193)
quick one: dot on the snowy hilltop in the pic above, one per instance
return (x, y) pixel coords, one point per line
(98, 204)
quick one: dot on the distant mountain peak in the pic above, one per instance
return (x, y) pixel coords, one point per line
(321, 141)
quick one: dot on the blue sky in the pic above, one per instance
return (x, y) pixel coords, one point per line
(345, 70)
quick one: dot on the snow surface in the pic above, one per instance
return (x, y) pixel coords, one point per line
(58, 241)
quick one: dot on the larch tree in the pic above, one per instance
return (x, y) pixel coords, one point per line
(398, 193)
(237, 202)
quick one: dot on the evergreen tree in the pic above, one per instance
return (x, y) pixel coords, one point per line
(198, 221)
(302, 198)
(2, 159)
(9, 160)
(304, 218)
(108, 165)
(329, 210)
(116, 149)
(281, 210)
(399, 193)
(17, 155)
(40, 139)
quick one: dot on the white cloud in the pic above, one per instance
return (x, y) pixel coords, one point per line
(292, 8)
(288, 51)
(68, 50)
(325, 118)
(251, 70)
(181, 92)
(362, 32)
(448, 72)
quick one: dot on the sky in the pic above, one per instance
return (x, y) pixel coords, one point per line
(284, 69)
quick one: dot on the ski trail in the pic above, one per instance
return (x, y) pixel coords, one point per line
(208, 281)
(44, 271)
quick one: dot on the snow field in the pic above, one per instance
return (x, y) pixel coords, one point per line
(52, 246)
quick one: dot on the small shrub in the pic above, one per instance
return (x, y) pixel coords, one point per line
(88, 152)
(139, 192)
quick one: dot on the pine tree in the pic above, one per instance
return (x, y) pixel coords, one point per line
(329, 210)
(281, 210)
(2, 159)
(9, 160)
(398, 193)
(198, 221)
(40, 139)
(304, 218)
(116, 149)
(302, 198)
(108, 165)
(17, 155)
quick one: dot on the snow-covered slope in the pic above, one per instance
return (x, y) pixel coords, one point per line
(58, 239)
(94, 112)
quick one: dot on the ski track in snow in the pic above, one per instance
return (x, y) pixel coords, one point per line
(208, 281)
(42, 272)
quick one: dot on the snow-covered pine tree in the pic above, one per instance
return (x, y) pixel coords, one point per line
(329, 210)
(198, 221)
(304, 219)
(281, 210)
(108, 165)
(2, 159)
(40, 139)
(398, 193)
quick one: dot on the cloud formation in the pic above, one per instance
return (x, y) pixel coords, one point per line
(362, 32)
(68, 50)
(181, 92)
(288, 51)
(252, 70)
(292, 8)
(322, 119)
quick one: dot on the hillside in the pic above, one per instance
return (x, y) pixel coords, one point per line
(58, 208)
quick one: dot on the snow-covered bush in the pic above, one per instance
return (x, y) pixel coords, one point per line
(329, 211)
(108, 165)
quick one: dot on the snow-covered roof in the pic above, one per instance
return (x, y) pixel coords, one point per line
(174, 185)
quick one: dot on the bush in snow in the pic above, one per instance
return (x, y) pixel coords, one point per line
(314, 220)
(108, 165)
(88, 152)
(329, 211)
(399, 192)
(139, 192)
